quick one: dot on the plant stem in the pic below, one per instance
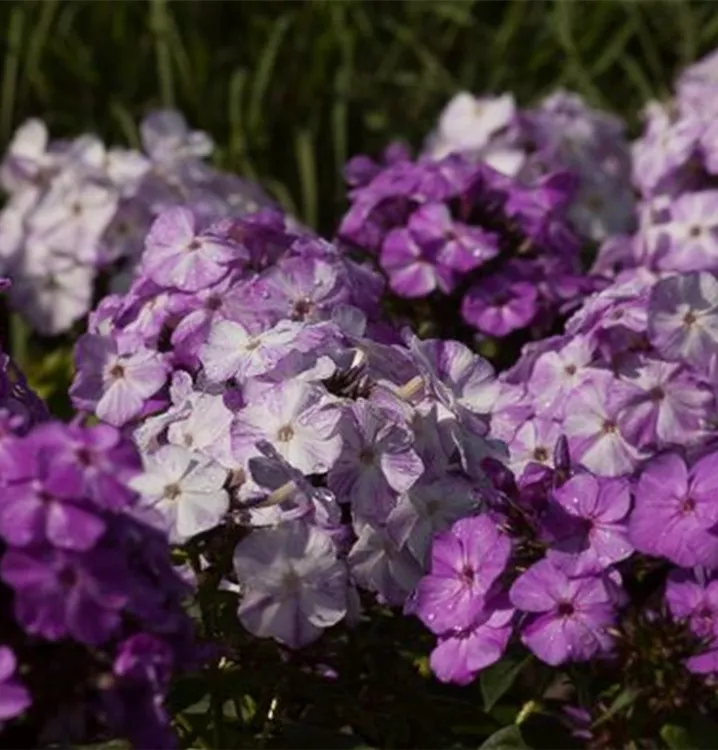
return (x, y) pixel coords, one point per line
(209, 627)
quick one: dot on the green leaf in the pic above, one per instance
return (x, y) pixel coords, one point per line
(498, 679)
(623, 700)
(699, 735)
(304, 735)
(677, 738)
(508, 738)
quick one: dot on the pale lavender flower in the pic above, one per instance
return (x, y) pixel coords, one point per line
(377, 460)
(186, 488)
(178, 254)
(293, 584)
(113, 383)
(299, 419)
(683, 317)
(377, 564)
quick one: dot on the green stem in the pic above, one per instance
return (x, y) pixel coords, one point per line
(159, 24)
(20, 339)
(209, 628)
(11, 69)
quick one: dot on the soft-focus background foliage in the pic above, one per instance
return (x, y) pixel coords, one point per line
(290, 89)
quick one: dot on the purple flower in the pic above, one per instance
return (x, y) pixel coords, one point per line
(60, 594)
(429, 507)
(461, 654)
(569, 617)
(176, 254)
(115, 382)
(376, 563)
(294, 586)
(676, 511)
(14, 697)
(589, 533)
(465, 562)
(694, 599)
(593, 424)
(377, 460)
(683, 318)
(299, 419)
(415, 269)
(500, 304)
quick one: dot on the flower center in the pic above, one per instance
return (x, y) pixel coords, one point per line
(302, 308)
(540, 454)
(689, 318)
(688, 505)
(565, 609)
(695, 231)
(194, 245)
(285, 434)
(657, 393)
(172, 492)
(609, 427)
(67, 578)
(117, 372)
(570, 369)
(367, 455)
(467, 575)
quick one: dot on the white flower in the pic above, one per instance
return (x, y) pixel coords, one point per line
(186, 487)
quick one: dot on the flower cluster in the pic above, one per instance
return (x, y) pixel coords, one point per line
(540, 562)
(675, 163)
(264, 395)
(496, 250)
(561, 132)
(631, 375)
(77, 209)
(90, 606)
(547, 560)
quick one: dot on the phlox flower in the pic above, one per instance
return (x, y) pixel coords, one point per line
(186, 488)
(676, 511)
(293, 584)
(465, 562)
(115, 381)
(683, 318)
(14, 696)
(377, 460)
(588, 523)
(178, 254)
(461, 654)
(569, 617)
(299, 419)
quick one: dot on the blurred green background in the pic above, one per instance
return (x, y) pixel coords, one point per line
(289, 90)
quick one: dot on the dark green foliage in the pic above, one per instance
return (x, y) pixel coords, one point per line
(289, 90)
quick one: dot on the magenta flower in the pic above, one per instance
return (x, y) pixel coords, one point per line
(460, 655)
(591, 531)
(694, 599)
(676, 511)
(414, 269)
(14, 697)
(60, 594)
(500, 304)
(569, 617)
(465, 562)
